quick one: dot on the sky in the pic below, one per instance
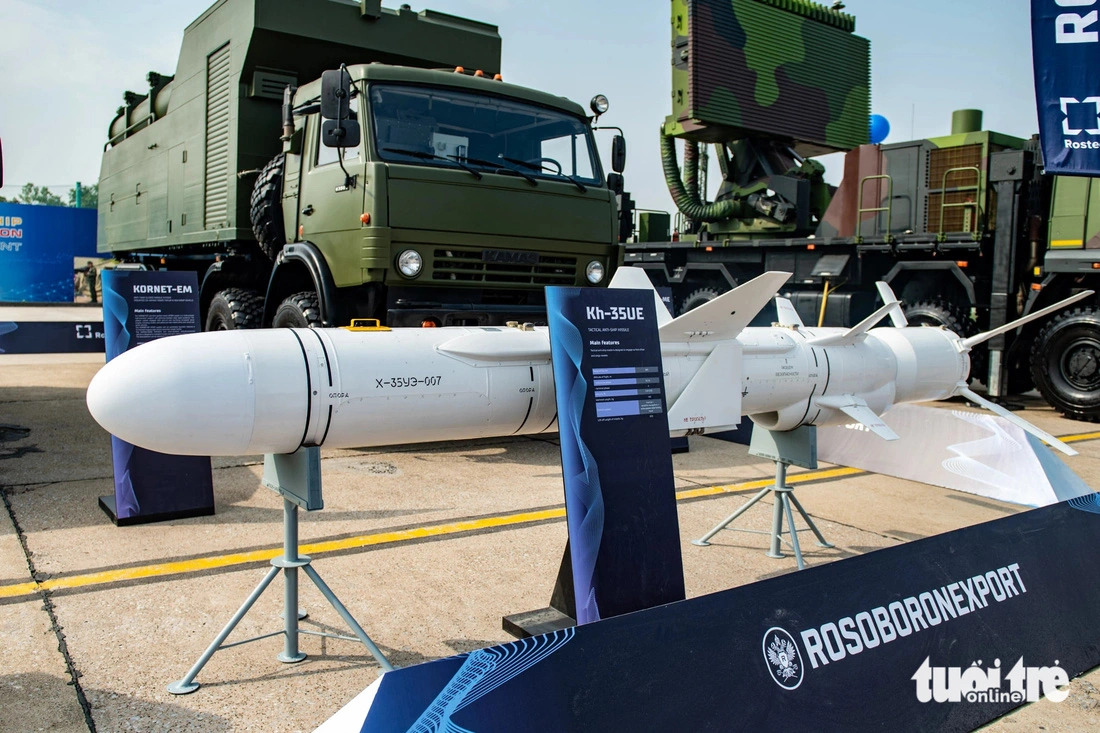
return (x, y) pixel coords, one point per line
(65, 65)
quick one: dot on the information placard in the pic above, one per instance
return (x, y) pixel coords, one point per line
(619, 489)
(139, 307)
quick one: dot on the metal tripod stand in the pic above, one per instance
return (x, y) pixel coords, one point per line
(797, 447)
(297, 477)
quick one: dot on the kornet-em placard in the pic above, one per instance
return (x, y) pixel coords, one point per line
(139, 307)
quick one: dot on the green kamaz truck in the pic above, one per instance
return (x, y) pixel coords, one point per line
(316, 161)
(966, 228)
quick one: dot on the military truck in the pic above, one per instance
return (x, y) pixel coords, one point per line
(966, 228)
(439, 194)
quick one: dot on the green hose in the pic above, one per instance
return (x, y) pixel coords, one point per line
(687, 201)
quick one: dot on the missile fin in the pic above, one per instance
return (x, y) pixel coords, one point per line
(857, 409)
(707, 401)
(856, 332)
(897, 315)
(788, 316)
(973, 341)
(728, 314)
(634, 278)
(1015, 420)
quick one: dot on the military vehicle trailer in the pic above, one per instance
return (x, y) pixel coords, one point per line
(438, 195)
(966, 228)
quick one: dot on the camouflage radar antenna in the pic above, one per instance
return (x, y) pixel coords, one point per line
(768, 83)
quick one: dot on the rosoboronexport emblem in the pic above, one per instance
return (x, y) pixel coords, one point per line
(781, 655)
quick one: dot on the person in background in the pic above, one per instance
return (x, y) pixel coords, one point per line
(89, 280)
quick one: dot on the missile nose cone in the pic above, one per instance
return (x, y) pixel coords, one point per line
(192, 395)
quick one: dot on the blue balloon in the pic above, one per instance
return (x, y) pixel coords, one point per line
(879, 128)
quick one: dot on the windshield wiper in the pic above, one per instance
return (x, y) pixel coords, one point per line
(432, 156)
(498, 167)
(542, 169)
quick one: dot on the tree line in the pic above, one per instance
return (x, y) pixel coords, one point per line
(32, 194)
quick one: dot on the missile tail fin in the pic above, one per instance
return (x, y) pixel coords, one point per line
(1014, 419)
(857, 409)
(634, 278)
(897, 315)
(728, 314)
(707, 401)
(973, 341)
(856, 332)
(788, 316)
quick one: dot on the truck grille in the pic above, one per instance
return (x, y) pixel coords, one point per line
(453, 265)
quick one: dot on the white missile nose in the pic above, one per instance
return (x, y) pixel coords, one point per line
(185, 395)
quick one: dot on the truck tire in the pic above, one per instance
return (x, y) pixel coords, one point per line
(266, 207)
(697, 298)
(1065, 363)
(235, 308)
(298, 311)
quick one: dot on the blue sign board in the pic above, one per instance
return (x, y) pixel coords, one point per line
(37, 247)
(1066, 46)
(139, 307)
(945, 634)
(620, 501)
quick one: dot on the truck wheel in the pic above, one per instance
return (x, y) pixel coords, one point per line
(235, 308)
(696, 298)
(266, 207)
(1065, 363)
(298, 311)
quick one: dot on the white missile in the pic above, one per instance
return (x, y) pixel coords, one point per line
(275, 390)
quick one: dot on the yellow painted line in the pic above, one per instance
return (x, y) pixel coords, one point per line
(1066, 243)
(388, 538)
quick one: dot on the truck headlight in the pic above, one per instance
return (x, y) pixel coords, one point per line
(594, 272)
(410, 263)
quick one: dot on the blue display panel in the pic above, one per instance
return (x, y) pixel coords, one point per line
(616, 462)
(37, 247)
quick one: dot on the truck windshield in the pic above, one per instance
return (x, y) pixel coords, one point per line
(449, 128)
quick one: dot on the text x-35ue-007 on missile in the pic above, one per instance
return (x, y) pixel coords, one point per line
(274, 390)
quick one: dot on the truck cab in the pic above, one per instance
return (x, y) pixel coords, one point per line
(454, 180)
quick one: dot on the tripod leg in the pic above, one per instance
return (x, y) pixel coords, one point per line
(813, 527)
(786, 497)
(777, 526)
(348, 618)
(188, 684)
(702, 541)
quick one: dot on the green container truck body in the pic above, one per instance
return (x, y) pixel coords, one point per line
(196, 175)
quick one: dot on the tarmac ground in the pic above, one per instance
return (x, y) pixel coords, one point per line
(427, 545)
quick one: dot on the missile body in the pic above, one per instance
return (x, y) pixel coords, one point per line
(271, 391)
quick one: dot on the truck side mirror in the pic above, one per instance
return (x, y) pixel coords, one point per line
(618, 153)
(615, 183)
(340, 133)
(335, 94)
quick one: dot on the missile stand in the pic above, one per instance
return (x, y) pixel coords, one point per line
(798, 447)
(297, 478)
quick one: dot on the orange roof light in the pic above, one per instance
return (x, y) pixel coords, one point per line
(460, 70)
(498, 77)
(365, 217)
(961, 263)
(811, 246)
(479, 72)
(429, 323)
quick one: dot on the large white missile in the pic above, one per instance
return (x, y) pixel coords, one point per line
(275, 390)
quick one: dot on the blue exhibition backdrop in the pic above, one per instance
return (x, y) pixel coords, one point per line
(37, 247)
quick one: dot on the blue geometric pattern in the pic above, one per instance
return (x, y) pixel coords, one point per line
(1087, 503)
(483, 671)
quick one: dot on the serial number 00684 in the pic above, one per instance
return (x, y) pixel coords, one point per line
(402, 382)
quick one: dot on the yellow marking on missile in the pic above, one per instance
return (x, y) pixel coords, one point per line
(214, 562)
